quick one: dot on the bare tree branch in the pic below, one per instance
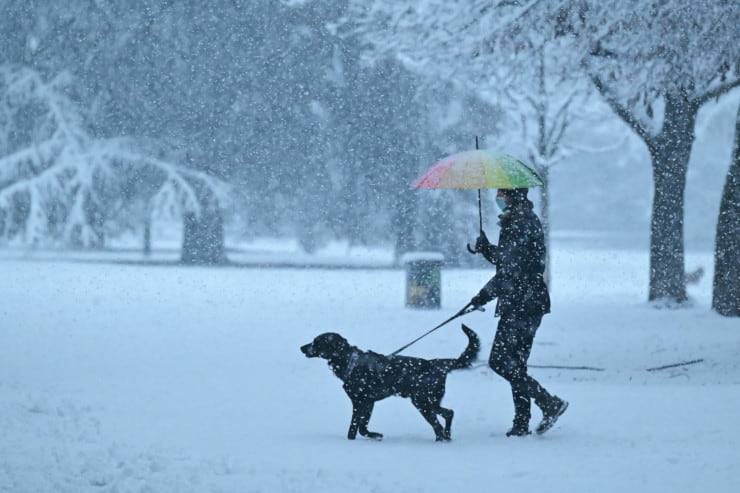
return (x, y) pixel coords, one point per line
(717, 92)
(622, 112)
(559, 124)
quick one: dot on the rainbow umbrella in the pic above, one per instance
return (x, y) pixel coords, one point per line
(476, 170)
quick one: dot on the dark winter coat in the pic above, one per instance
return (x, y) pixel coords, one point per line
(519, 257)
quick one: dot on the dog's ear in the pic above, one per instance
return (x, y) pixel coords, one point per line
(335, 340)
(331, 344)
(340, 344)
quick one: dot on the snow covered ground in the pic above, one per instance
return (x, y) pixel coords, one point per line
(260, 252)
(119, 378)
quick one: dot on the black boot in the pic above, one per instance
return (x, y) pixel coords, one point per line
(551, 413)
(519, 429)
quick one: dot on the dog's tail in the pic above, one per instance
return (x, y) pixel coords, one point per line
(471, 352)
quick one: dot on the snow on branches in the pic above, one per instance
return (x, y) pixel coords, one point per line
(58, 182)
(637, 53)
(634, 51)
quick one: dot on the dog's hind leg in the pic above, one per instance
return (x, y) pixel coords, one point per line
(447, 414)
(427, 411)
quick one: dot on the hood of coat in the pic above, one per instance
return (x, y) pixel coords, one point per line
(516, 201)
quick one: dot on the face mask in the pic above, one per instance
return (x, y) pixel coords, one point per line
(502, 204)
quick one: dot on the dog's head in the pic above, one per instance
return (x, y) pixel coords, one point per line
(328, 345)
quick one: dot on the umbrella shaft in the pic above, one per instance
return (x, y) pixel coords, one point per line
(480, 210)
(480, 214)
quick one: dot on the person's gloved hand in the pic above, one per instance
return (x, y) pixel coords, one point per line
(482, 243)
(478, 300)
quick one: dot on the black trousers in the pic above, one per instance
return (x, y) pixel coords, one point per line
(509, 355)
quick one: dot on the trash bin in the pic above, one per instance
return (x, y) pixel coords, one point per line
(423, 279)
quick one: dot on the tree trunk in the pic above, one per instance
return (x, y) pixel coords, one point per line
(147, 234)
(726, 285)
(203, 233)
(670, 152)
(404, 221)
(203, 238)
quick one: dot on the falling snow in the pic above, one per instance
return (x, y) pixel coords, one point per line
(190, 191)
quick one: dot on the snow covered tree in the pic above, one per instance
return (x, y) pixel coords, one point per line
(726, 286)
(546, 106)
(388, 152)
(656, 63)
(57, 181)
(682, 65)
(352, 134)
(537, 97)
(265, 95)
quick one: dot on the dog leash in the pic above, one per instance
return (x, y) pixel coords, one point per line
(465, 310)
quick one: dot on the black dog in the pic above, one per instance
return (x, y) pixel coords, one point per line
(369, 377)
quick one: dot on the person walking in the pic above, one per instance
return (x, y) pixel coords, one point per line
(523, 300)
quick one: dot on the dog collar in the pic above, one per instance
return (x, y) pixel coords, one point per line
(354, 357)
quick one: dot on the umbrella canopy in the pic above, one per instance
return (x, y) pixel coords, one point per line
(478, 169)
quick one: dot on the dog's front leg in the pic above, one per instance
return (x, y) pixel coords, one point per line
(361, 412)
(365, 419)
(354, 425)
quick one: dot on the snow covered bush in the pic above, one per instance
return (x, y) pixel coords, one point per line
(60, 183)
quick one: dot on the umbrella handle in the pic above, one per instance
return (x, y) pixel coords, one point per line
(471, 250)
